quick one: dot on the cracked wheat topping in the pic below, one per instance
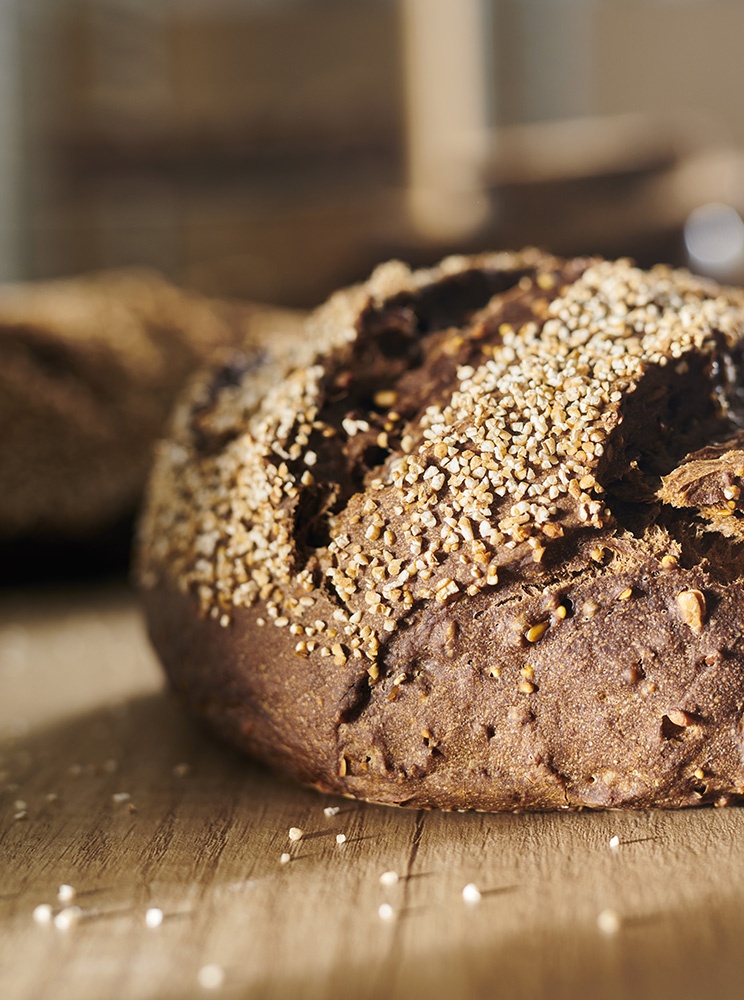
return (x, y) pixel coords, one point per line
(505, 463)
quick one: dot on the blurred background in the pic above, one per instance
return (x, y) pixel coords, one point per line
(274, 149)
(269, 151)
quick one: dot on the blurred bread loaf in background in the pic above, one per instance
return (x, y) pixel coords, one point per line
(89, 370)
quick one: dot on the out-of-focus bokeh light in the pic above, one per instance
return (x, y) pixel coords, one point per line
(714, 238)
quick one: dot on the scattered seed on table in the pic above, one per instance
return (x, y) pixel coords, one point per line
(65, 893)
(609, 921)
(211, 977)
(42, 913)
(67, 918)
(471, 894)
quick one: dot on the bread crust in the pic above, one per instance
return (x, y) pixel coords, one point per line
(481, 548)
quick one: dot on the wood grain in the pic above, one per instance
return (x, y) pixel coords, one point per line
(84, 718)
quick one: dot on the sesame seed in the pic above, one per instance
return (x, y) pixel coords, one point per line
(692, 607)
(680, 718)
(386, 398)
(614, 843)
(285, 858)
(295, 833)
(385, 912)
(536, 632)
(153, 917)
(340, 838)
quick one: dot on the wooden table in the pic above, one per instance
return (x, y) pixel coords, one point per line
(106, 786)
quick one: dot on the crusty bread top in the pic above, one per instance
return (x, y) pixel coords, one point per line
(443, 430)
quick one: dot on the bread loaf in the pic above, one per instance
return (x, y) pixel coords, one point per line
(482, 548)
(89, 371)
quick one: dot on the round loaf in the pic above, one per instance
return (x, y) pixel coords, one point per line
(89, 371)
(482, 548)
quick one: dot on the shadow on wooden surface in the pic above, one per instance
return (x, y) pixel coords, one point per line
(135, 807)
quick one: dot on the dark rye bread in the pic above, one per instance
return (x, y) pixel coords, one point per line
(89, 371)
(483, 550)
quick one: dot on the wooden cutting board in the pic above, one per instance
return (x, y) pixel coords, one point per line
(105, 785)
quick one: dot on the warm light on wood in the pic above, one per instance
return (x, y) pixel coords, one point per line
(199, 888)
